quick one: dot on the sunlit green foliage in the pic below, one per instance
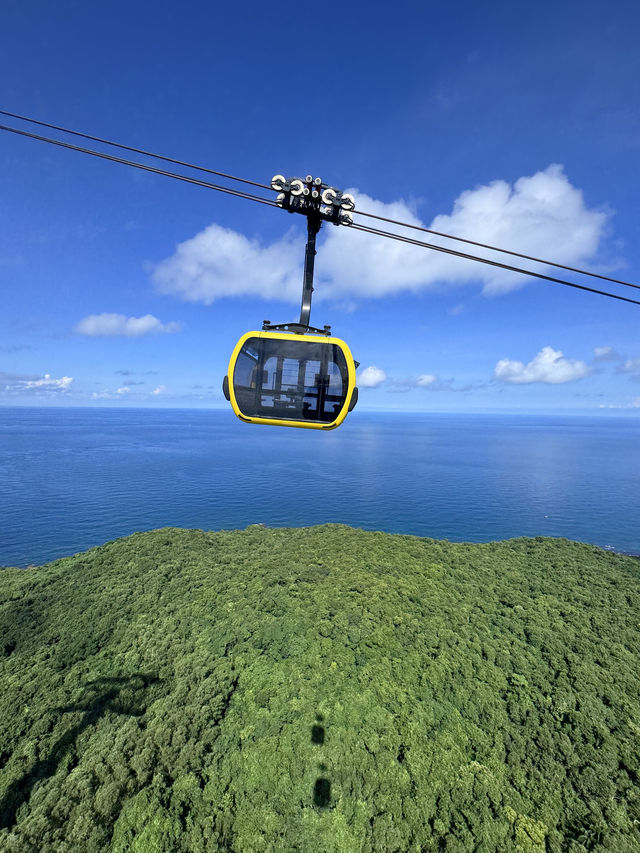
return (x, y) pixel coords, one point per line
(325, 689)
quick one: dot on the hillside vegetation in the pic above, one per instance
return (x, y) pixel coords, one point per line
(324, 689)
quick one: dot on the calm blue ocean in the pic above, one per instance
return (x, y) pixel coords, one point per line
(74, 478)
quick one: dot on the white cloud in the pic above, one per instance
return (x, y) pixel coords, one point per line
(542, 215)
(424, 380)
(220, 262)
(119, 325)
(103, 395)
(548, 366)
(45, 384)
(633, 404)
(605, 354)
(631, 365)
(124, 391)
(371, 377)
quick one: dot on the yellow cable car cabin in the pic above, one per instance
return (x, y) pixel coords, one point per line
(291, 380)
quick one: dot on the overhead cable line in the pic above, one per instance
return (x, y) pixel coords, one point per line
(578, 270)
(422, 228)
(363, 228)
(135, 150)
(468, 257)
(142, 166)
(497, 249)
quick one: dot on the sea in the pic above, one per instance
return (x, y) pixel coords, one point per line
(73, 478)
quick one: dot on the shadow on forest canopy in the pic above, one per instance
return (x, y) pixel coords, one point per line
(124, 695)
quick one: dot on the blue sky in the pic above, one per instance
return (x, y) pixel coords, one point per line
(518, 124)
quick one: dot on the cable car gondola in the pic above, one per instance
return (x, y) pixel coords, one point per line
(292, 374)
(291, 380)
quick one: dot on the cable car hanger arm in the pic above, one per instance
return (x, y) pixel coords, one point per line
(313, 226)
(318, 203)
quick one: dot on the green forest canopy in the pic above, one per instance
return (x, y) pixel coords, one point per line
(322, 689)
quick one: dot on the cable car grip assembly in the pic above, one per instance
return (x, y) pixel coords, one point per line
(319, 203)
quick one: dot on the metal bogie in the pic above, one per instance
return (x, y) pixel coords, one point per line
(311, 205)
(310, 196)
(291, 380)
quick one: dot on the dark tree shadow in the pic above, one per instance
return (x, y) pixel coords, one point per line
(125, 695)
(322, 787)
(322, 793)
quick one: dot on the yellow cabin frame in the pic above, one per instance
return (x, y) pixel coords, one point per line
(349, 400)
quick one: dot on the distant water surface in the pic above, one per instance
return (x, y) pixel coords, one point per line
(74, 478)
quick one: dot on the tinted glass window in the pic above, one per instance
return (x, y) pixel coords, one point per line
(290, 380)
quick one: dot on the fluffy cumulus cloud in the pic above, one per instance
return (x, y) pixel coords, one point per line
(37, 385)
(220, 262)
(371, 377)
(548, 366)
(119, 325)
(542, 215)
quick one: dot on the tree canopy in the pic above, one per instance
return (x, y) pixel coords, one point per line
(321, 689)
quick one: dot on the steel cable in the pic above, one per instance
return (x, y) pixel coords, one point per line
(466, 256)
(355, 226)
(497, 249)
(146, 168)
(135, 150)
(422, 228)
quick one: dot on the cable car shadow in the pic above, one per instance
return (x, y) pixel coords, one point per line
(124, 695)
(322, 786)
